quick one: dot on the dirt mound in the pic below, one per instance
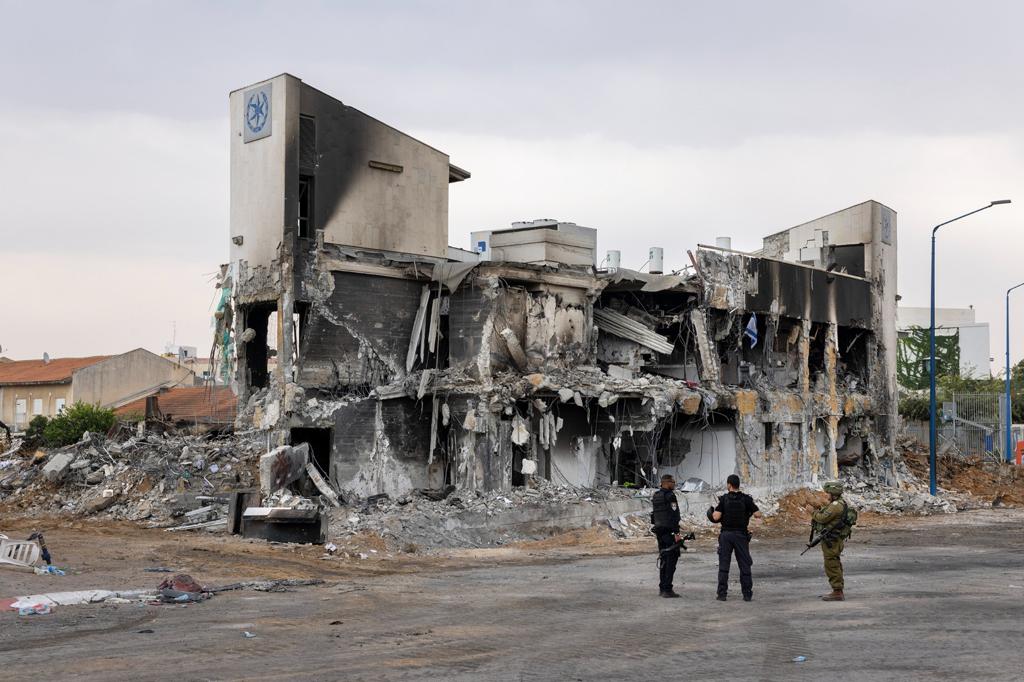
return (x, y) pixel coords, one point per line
(801, 503)
(997, 482)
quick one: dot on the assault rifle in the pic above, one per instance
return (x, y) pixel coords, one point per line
(824, 534)
(679, 544)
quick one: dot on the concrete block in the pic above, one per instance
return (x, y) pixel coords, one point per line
(58, 466)
(281, 466)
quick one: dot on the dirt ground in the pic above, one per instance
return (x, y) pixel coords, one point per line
(578, 607)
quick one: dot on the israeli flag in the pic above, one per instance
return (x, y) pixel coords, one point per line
(751, 330)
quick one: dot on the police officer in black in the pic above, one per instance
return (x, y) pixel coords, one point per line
(733, 512)
(665, 519)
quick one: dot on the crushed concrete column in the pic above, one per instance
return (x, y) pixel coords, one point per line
(831, 381)
(710, 368)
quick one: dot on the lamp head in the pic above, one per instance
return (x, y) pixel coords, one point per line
(999, 201)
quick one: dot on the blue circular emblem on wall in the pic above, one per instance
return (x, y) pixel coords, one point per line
(256, 110)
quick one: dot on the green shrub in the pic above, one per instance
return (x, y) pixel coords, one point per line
(68, 426)
(914, 408)
(34, 433)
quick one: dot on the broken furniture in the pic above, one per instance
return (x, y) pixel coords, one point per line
(285, 524)
(19, 553)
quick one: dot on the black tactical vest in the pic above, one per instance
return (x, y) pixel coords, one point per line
(734, 511)
(666, 510)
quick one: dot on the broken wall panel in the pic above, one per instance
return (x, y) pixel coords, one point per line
(558, 328)
(359, 334)
(474, 344)
(381, 446)
(766, 286)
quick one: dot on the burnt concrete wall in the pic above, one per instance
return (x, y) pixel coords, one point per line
(482, 456)
(380, 446)
(477, 315)
(398, 204)
(359, 336)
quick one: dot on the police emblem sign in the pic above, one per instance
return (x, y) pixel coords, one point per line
(256, 115)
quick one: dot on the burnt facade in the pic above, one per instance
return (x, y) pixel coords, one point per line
(347, 326)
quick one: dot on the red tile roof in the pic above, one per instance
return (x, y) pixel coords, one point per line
(56, 371)
(199, 404)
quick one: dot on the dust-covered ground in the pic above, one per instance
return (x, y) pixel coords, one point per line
(936, 597)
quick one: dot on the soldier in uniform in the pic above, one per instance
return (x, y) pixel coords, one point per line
(665, 519)
(831, 515)
(734, 511)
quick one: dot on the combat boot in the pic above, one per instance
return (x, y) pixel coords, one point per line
(835, 595)
(669, 594)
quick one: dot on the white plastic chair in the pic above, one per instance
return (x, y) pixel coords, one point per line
(21, 553)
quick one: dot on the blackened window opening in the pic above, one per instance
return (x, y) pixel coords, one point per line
(306, 205)
(257, 317)
(319, 441)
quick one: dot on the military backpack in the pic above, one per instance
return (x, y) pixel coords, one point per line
(847, 521)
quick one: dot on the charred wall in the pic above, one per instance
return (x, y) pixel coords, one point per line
(359, 335)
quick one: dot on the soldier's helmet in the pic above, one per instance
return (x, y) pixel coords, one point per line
(833, 487)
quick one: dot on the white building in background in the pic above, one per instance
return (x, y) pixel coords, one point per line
(975, 360)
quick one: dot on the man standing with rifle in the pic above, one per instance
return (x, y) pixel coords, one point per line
(831, 526)
(665, 522)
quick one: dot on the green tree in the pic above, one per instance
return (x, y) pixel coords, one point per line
(68, 426)
(913, 349)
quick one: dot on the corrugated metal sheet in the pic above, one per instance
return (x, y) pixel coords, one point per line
(620, 325)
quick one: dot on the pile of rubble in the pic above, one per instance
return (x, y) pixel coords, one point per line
(165, 480)
(449, 518)
(912, 498)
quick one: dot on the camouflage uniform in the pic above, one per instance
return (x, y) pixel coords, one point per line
(832, 548)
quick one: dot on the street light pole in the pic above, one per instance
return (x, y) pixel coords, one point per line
(1007, 453)
(932, 486)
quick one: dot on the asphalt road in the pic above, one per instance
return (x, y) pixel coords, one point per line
(938, 598)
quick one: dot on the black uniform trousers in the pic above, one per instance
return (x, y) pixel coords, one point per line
(666, 561)
(737, 541)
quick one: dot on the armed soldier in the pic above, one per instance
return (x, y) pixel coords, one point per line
(665, 519)
(831, 526)
(734, 511)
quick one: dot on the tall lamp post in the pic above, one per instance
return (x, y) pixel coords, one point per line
(932, 487)
(1008, 453)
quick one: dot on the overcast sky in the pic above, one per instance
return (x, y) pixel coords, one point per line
(658, 123)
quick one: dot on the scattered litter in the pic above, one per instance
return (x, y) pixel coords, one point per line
(182, 588)
(40, 609)
(145, 632)
(48, 570)
(799, 659)
(248, 635)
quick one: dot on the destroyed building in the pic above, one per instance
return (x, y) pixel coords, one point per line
(348, 323)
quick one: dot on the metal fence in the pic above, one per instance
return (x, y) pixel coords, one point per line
(971, 424)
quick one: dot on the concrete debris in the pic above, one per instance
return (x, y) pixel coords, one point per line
(156, 479)
(282, 466)
(475, 519)
(322, 485)
(58, 466)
